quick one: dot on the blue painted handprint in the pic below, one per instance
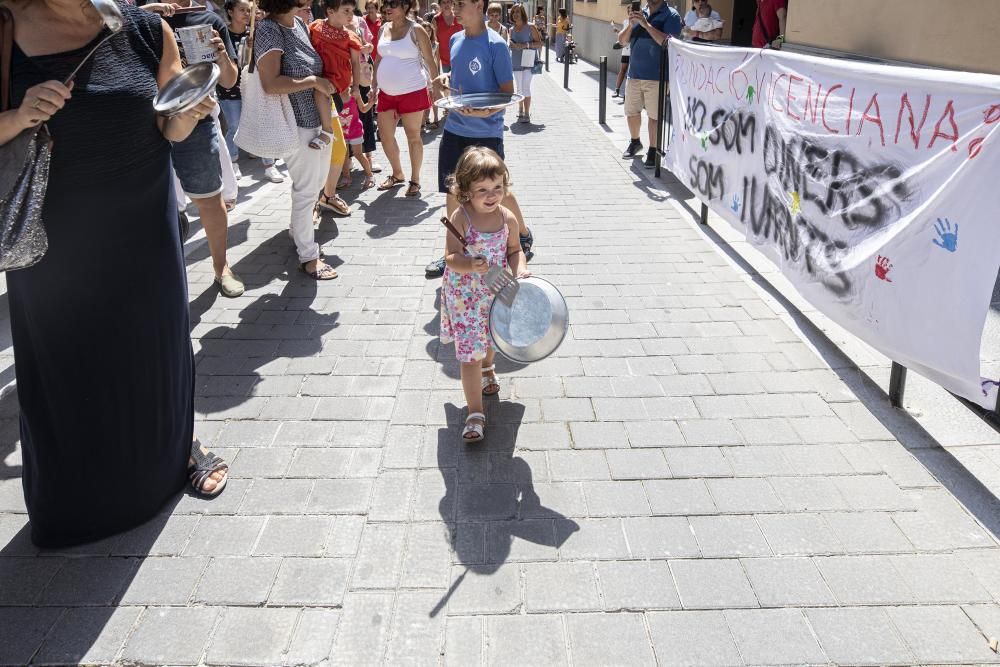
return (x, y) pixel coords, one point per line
(948, 236)
(736, 204)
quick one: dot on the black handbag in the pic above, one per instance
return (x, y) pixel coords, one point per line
(24, 175)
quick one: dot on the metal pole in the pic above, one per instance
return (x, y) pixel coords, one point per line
(897, 385)
(660, 104)
(546, 50)
(566, 69)
(602, 98)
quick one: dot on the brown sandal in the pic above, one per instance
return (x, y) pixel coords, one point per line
(413, 190)
(335, 204)
(391, 182)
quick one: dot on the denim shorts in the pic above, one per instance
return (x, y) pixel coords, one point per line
(196, 161)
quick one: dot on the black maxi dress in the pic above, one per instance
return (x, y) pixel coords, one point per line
(102, 348)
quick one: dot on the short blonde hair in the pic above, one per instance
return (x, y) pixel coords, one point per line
(476, 164)
(495, 7)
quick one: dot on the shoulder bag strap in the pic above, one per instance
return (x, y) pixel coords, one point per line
(6, 51)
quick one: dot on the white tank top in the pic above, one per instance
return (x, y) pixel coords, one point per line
(401, 70)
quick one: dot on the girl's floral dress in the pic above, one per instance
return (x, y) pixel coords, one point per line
(465, 299)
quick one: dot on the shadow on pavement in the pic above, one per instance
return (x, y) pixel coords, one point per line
(490, 497)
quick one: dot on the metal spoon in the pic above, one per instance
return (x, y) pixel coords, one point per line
(113, 20)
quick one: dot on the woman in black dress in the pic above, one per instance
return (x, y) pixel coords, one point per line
(100, 325)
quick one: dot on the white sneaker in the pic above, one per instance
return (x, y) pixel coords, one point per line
(272, 174)
(236, 170)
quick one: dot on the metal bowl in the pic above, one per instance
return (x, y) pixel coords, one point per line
(535, 324)
(479, 101)
(187, 89)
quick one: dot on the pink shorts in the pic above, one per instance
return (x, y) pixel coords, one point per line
(416, 102)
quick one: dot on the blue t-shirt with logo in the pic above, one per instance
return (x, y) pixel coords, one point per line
(644, 61)
(479, 64)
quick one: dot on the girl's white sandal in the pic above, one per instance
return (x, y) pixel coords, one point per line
(490, 379)
(477, 430)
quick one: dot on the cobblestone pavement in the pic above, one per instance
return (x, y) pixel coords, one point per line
(685, 482)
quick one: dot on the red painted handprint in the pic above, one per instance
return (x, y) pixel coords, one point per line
(882, 268)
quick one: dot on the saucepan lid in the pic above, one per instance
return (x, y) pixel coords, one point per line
(495, 101)
(187, 89)
(535, 324)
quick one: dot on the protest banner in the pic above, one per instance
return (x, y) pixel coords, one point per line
(875, 189)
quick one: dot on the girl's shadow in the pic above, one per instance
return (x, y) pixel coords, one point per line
(487, 485)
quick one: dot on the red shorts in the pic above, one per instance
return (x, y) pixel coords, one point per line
(417, 101)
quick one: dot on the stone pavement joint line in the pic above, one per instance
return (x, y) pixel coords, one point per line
(684, 482)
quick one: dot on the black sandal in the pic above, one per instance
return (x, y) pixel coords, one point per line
(413, 190)
(391, 182)
(326, 272)
(205, 465)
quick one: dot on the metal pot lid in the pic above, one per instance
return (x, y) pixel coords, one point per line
(479, 101)
(534, 326)
(187, 89)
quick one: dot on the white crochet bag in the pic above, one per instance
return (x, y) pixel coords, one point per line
(267, 123)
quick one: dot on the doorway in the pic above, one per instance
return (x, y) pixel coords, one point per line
(744, 13)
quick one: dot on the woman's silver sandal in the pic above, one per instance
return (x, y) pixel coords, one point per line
(475, 426)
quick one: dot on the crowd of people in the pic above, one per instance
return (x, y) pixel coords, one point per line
(107, 412)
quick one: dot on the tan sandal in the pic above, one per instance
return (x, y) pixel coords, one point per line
(391, 182)
(336, 204)
(491, 384)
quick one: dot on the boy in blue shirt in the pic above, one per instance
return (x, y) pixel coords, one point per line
(480, 63)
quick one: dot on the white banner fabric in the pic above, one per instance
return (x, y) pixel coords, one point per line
(874, 188)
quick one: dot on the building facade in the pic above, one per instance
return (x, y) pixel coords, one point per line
(960, 36)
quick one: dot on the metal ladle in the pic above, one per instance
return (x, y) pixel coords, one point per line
(113, 20)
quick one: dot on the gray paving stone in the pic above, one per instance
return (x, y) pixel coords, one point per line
(562, 499)
(637, 464)
(392, 496)
(525, 640)
(225, 536)
(236, 581)
(712, 584)
(679, 496)
(320, 462)
(798, 534)
(340, 496)
(22, 578)
(164, 581)
(156, 538)
(604, 639)
(755, 631)
(171, 635)
(744, 496)
(415, 637)
(728, 536)
(574, 465)
(294, 536)
(560, 587)
(88, 582)
(858, 636)
(379, 560)
(808, 493)
(363, 629)
(864, 580)
(310, 581)
(697, 462)
(252, 636)
(464, 640)
(693, 638)
(598, 435)
(494, 590)
(872, 492)
(591, 539)
(521, 540)
(661, 537)
(939, 578)
(637, 586)
(276, 496)
(313, 637)
(87, 635)
(662, 433)
(487, 501)
(617, 498)
(709, 432)
(941, 634)
(867, 532)
(345, 538)
(787, 582)
(22, 631)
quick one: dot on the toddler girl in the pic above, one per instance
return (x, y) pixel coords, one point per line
(354, 133)
(480, 183)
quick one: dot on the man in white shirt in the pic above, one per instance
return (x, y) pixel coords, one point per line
(692, 17)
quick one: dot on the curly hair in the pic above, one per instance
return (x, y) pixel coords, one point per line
(278, 6)
(476, 164)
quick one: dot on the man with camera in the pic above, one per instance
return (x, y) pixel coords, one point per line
(646, 32)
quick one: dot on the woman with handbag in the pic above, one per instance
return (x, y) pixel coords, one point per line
(100, 325)
(288, 65)
(525, 41)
